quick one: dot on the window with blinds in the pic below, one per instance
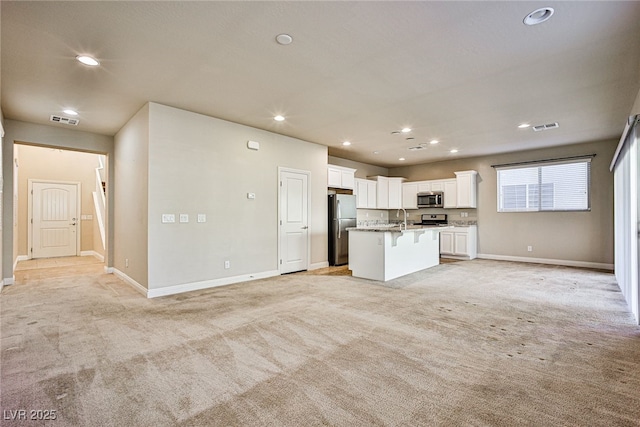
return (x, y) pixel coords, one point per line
(548, 186)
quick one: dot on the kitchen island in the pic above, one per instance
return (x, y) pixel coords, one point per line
(385, 253)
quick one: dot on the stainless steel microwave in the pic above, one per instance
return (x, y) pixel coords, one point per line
(430, 199)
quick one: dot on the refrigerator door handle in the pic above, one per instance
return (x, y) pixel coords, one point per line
(339, 228)
(339, 212)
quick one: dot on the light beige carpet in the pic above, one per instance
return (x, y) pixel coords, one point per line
(466, 343)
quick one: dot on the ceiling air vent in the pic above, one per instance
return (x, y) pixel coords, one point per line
(545, 127)
(64, 120)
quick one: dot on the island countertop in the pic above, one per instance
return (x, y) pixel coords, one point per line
(397, 229)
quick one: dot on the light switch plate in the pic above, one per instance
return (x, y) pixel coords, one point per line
(184, 217)
(168, 218)
(251, 196)
(202, 218)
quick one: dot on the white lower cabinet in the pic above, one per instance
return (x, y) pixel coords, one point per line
(459, 242)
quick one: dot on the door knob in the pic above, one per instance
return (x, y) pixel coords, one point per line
(73, 223)
(305, 227)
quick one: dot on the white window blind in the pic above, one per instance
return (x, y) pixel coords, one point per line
(561, 185)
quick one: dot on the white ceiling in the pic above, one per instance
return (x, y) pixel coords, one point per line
(465, 73)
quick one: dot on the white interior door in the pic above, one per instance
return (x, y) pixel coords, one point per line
(294, 221)
(55, 219)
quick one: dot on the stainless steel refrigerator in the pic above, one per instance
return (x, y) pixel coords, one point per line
(342, 214)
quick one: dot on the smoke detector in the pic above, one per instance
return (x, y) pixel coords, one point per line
(64, 120)
(545, 127)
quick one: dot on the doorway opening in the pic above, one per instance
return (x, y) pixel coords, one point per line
(59, 203)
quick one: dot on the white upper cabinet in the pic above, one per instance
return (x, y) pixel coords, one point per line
(423, 186)
(395, 193)
(365, 191)
(389, 192)
(466, 189)
(450, 193)
(340, 177)
(459, 192)
(410, 195)
(383, 192)
(437, 185)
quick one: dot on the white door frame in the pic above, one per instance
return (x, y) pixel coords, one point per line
(30, 212)
(282, 169)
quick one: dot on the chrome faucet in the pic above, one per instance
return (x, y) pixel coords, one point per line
(405, 217)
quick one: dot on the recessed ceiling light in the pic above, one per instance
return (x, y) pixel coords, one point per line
(538, 16)
(401, 159)
(376, 152)
(87, 60)
(70, 112)
(523, 126)
(433, 142)
(346, 143)
(406, 130)
(279, 118)
(453, 151)
(284, 39)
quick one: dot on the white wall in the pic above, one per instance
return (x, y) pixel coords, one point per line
(199, 164)
(131, 184)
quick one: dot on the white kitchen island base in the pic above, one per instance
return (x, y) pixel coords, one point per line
(385, 254)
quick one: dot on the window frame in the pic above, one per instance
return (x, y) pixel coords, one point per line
(540, 165)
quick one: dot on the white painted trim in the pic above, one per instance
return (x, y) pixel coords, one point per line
(566, 262)
(205, 284)
(1, 285)
(317, 265)
(18, 259)
(9, 280)
(93, 254)
(108, 270)
(128, 280)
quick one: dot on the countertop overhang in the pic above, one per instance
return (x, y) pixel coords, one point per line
(397, 229)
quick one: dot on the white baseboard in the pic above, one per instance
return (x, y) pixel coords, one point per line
(1, 285)
(92, 253)
(566, 262)
(18, 259)
(9, 280)
(205, 284)
(109, 270)
(135, 285)
(317, 265)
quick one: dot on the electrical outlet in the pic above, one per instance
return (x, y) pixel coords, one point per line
(202, 218)
(227, 264)
(529, 248)
(184, 217)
